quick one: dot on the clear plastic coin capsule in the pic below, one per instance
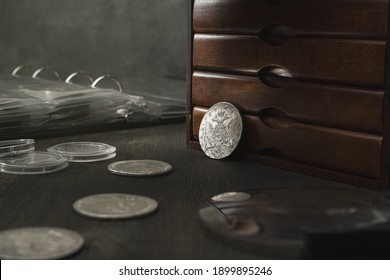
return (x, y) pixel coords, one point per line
(15, 147)
(33, 163)
(84, 151)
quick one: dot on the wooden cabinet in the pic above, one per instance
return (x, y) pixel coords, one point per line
(309, 77)
(319, 18)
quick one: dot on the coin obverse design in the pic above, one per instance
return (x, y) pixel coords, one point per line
(39, 243)
(115, 206)
(220, 130)
(140, 168)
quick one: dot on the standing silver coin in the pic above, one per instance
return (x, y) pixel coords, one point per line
(115, 206)
(220, 130)
(140, 168)
(39, 243)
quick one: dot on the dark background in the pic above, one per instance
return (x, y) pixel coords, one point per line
(126, 38)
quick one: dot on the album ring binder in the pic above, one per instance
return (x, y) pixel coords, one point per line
(110, 77)
(46, 69)
(77, 74)
(16, 71)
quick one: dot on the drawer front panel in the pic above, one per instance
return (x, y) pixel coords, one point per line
(358, 62)
(324, 104)
(342, 18)
(329, 148)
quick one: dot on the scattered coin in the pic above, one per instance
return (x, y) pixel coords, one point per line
(115, 206)
(39, 243)
(231, 197)
(140, 168)
(220, 130)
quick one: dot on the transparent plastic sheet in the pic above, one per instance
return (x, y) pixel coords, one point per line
(165, 97)
(33, 104)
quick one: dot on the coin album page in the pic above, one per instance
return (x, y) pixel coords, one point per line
(30, 104)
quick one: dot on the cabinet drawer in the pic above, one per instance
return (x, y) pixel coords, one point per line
(324, 104)
(329, 60)
(335, 149)
(341, 18)
(359, 62)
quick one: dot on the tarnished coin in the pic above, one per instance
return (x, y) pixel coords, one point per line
(115, 206)
(220, 130)
(39, 243)
(231, 197)
(140, 168)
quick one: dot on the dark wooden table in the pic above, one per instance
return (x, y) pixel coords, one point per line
(174, 231)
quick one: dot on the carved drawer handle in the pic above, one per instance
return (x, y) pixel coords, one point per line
(277, 34)
(276, 119)
(275, 76)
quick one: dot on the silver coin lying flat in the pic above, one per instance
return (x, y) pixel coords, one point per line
(39, 243)
(140, 168)
(220, 130)
(231, 197)
(115, 206)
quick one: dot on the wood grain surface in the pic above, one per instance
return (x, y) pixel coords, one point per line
(335, 149)
(308, 62)
(331, 18)
(352, 108)
(357, 62)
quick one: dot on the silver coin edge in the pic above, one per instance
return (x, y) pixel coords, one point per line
(112, 169)
(152, 208)
(247, 197)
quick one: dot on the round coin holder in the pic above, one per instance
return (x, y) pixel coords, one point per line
(15, 147)
(33, 163)
(84, 151)
(277, 219)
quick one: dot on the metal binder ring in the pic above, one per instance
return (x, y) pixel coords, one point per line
(40, 70)
(78, 73)
(110, 77)
(20, 67)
